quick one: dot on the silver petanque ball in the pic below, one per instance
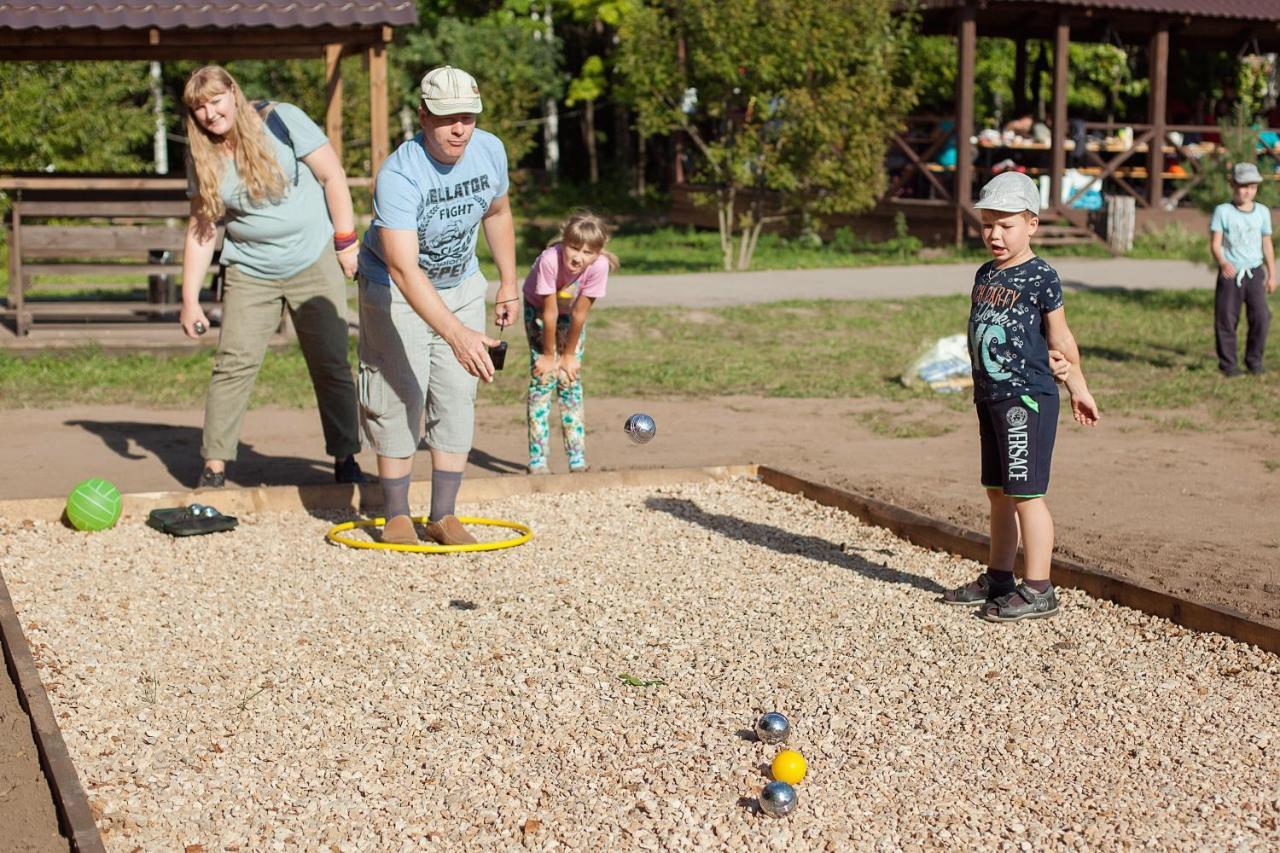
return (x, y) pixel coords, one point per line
(210, 512)
(773, 728)
(777, 799)
(196, 510)
(640, 428)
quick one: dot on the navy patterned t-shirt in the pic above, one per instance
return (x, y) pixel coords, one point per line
(1006, 329)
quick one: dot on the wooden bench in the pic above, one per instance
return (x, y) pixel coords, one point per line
(91, 239)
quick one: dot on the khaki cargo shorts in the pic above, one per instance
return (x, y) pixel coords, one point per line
(407, 370)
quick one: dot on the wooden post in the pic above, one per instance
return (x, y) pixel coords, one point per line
(333, 97)
(1061, 43)
(1019, 78)
(968, 38)
(378, 133)
(1157, 113)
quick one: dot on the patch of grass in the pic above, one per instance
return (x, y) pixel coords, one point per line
(898, 425)
(1172, 242)
(1272, 465)
(1147, 353)
(632, 681)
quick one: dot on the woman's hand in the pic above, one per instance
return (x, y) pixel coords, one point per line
(349, 260)
(505, 306)
(189, 317)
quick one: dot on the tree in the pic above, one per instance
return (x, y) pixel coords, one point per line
(76, 116)
(789, 104)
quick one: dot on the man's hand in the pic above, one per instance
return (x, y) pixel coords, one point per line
(570, 367)
(471, 349)
(1084, 409)
(544, 367)
(506, 306)
(1059, 366)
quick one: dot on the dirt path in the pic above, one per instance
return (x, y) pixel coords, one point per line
(1191, 513)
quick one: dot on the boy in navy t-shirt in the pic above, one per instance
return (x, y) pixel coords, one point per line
(1016, 316)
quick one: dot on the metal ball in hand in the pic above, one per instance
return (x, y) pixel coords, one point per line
(773, 728)
(200, 327)
(777, 799)
(640, 428)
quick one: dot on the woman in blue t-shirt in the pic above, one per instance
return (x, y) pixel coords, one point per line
(268, 175)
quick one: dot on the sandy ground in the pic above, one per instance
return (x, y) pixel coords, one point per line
(1191, 513)
(595, 689)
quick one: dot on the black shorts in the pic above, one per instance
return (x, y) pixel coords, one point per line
(1017, 443)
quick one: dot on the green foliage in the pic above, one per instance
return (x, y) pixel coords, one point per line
(1104, 80)
(76, 116)
(768, 94)
(1241, 139)
(515, 64)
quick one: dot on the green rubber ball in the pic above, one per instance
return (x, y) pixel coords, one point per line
(94, 504)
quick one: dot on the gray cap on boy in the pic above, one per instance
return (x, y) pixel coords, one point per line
(1245, 173)
(1010, 192)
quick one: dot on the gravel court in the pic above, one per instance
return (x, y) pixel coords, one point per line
(265, 690)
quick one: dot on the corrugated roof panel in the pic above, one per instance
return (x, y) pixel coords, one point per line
(217, 14)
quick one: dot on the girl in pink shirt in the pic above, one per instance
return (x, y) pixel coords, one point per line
(566, 280)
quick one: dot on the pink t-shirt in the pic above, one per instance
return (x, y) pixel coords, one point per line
(550, 276)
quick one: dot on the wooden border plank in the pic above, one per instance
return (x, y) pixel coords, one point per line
(932, 533)
(74, 816)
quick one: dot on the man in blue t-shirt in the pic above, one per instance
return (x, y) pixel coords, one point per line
(1240, 239)
(422, 312)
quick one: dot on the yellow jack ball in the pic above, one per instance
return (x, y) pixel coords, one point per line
(789, 766)
(565, 294)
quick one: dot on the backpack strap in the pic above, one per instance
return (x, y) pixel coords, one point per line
(280, 130)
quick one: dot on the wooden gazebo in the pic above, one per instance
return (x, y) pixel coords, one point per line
(218, 30)
(1157, 25)
(135, 233)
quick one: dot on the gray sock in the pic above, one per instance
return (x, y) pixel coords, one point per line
(395, 495)
(444, 493)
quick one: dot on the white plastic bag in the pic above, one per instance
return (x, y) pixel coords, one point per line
(943, 366)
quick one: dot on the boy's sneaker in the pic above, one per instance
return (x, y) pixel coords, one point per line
(210, 479)
(348, 471)
(536, 470)
(978, 591)
(1023, 603)
(449, 531)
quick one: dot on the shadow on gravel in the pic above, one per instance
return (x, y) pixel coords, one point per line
(786, 542)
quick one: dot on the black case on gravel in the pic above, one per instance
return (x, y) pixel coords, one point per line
(178, 521)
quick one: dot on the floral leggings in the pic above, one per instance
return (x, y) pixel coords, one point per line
(540, 391)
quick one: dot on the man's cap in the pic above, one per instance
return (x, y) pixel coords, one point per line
(1010, 192)
(1245, 173)
(447, 91)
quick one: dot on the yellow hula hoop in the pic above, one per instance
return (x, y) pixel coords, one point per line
(334, 535)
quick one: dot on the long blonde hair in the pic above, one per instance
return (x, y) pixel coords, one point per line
(255, 156)
(586, 229)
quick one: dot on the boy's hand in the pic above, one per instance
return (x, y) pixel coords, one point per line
(1059, 366)
(570, 367)
(544, 367)
(1228, 270)
(1271, 285)
(1084, 409)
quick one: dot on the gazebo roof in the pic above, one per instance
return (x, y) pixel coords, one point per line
(1210, 24)
(188, 29)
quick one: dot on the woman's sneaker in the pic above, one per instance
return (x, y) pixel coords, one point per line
(210, 479)
(978, 591)
(1023, 603)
